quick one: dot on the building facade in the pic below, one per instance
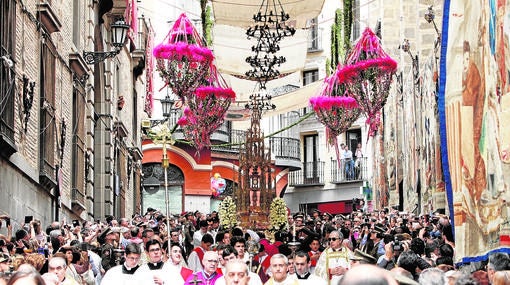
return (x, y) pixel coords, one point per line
(68, 129)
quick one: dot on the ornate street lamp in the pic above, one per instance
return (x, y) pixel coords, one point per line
(161, 134)
(429, 16)
(167, 105)
(119, 31)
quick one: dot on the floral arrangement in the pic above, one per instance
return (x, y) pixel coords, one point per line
(278, 215)
(335, 109)
(328, 103)
(183, 62)
(183, 51)
(161, 134)
(368, 73)
(205, 111)
(227, 213)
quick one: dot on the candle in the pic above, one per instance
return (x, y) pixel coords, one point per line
(294, 230)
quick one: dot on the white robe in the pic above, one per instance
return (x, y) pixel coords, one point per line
(168, 273)
(331, 259)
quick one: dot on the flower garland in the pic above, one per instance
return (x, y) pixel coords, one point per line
(205, 114)
(182, 60)
(334, 107)
(324, 102)
(278, 215)
(183, 51)
(227, 213)
(368, 74)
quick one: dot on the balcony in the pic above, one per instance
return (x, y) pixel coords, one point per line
(235, 138)
(47, 177)
(48, 17)
(286, 152)
(138, 46)
(77, 200)
(349, 171)
(7, 118)
(311, 174)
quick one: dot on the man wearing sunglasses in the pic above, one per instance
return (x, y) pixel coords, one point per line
(334, 260)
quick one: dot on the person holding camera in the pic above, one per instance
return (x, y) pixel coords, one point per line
(376, 235)
(391, 252)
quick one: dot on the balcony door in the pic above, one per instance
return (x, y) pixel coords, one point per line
(311, 152)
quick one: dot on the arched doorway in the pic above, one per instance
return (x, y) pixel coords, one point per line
(153, 188)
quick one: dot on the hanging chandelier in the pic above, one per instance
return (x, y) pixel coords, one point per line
(270, 24)
(269, 29)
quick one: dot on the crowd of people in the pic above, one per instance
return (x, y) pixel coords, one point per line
(381, 247)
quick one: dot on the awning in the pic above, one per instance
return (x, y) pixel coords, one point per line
(231, 48)
(285, 103)
(294, 100)
(240, 13)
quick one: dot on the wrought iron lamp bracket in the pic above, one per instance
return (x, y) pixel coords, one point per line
(96, 57)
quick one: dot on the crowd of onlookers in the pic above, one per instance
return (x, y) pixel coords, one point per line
(412, 249)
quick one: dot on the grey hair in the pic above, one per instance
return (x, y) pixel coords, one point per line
(59, 260)
(233, 262)
(432, 276)
(339, 233)
(280, 256)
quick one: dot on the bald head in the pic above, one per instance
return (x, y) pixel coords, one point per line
(367, 274)
(236, 273)
(210, 261)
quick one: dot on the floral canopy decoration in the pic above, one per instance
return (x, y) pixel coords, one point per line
(367, 73)
(204, 112)
(182, 59)
(335, 109)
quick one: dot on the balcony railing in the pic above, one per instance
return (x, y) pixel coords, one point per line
(352, 170)
(77, 197)
(286, 148)
(235, 139)
(286, 152)
(312, 173)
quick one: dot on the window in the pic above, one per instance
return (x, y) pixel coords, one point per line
(47, 113)
(355, 24)
(77, 14)
(7, 75)
(310, 76)
(78, 141)
(311, 152)
(314, 37)
(352, 138)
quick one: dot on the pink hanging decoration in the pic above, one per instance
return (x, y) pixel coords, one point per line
(368, 73)
(182, 60)
(335, 109)
(205, 110)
